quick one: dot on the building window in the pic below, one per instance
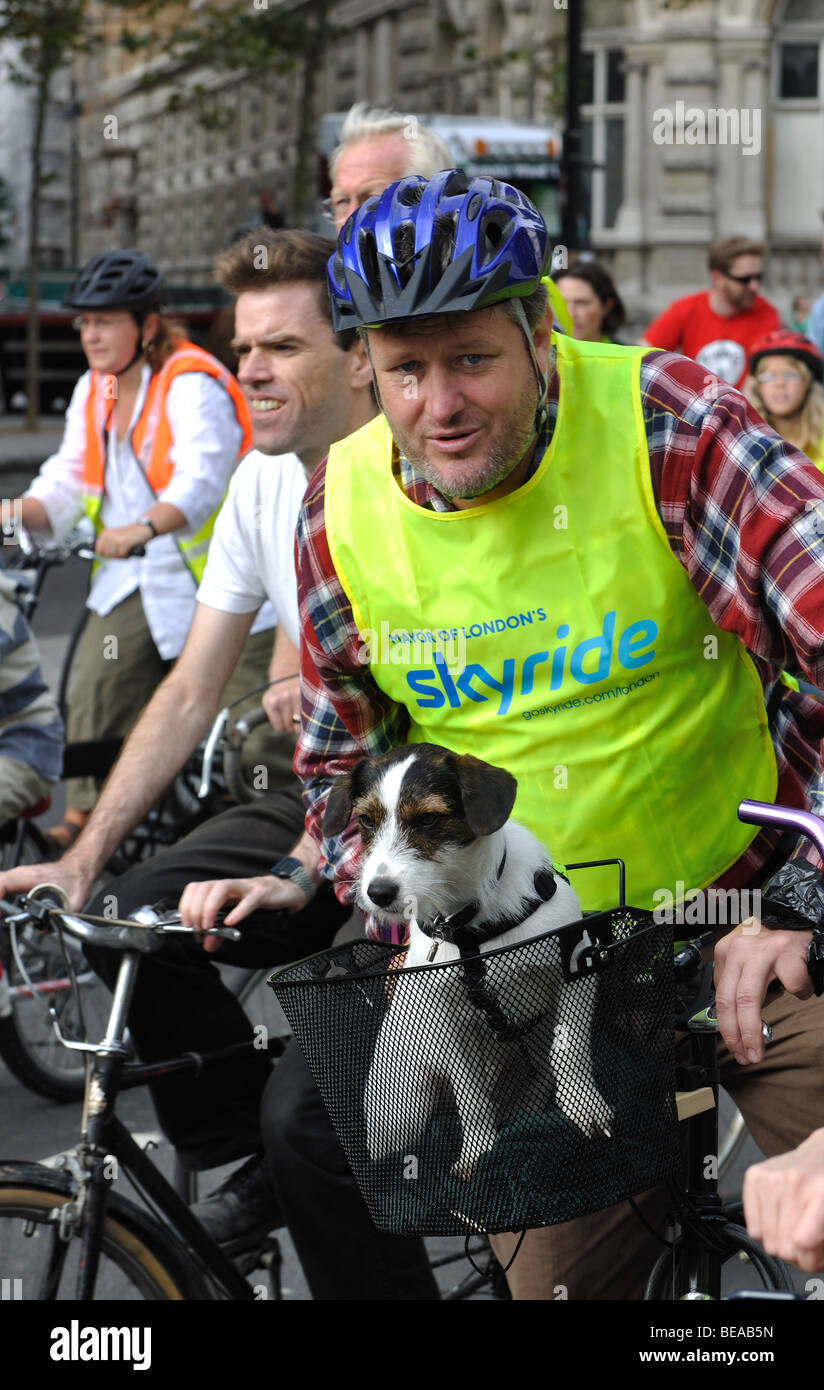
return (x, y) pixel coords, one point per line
(615, 75)
(603, 127)
(797, 134)
(798, 71)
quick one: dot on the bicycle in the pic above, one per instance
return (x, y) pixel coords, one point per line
(343, 995)
(90, 1238)
(32, 560)
(37, 967)
(200, 790)
(691, 1268)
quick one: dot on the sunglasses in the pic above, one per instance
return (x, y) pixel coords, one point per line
(743, 279)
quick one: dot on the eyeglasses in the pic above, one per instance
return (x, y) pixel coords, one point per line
(744, 279)
(767, 378)
(98, 321)
(332, 208)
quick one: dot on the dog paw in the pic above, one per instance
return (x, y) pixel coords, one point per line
(597, 1121)
(463, 1168)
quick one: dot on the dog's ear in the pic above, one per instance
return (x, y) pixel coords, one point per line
(338, 811)
(487, 793)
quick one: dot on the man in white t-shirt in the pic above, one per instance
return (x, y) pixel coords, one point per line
(305, 388)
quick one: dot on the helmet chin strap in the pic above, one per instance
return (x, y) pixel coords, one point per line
(138, 352)
(543, 381)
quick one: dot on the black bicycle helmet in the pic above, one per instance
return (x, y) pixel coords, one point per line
(436, 246)
(117, 280)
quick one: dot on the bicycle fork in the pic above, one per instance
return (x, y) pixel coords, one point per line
(698, 1268)
(101, 1085)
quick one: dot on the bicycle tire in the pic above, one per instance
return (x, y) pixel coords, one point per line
(68, 661)
(28, 1044)
(139, 1259)
(235, 775)
(663, 1284)
(730, 1143)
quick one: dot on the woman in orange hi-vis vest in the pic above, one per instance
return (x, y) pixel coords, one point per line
(153, 432)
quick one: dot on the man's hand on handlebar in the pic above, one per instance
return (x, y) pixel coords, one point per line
(201, 902)
(784, 1204)
(64, 872)
(746, 963)
(282, 704)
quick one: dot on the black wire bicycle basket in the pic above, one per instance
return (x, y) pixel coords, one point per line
(518, 1088)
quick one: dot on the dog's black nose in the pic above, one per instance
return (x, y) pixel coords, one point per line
(382, 891)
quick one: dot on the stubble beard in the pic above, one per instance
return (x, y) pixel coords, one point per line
(503, 455)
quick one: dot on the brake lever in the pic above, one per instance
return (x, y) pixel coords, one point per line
(228, 933)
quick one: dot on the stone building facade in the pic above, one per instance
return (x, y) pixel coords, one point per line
(172, 184)
(701, 118)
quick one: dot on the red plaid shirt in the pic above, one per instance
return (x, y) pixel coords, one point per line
(744, 515)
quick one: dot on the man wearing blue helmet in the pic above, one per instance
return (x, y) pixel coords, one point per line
(630, 556)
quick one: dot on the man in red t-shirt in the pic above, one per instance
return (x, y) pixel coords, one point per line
(717, 327)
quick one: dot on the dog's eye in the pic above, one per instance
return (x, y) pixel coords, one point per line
(366, 822)
(427, 820)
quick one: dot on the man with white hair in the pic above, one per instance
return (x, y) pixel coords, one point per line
(378, 146)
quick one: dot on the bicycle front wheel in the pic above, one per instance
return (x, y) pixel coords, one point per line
(669, 1279)
(139, 1260)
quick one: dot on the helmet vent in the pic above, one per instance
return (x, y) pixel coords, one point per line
(495, 229)
(443, 240)
(369, 257)
(411, 194)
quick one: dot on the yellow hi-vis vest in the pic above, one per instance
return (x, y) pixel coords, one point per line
(592, 670)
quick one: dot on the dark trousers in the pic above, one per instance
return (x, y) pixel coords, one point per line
(181, 1004)
(343, 1256)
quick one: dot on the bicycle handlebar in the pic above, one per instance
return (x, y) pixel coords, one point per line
(142, 931)
(786, 818)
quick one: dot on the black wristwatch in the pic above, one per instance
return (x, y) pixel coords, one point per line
(147, 521)
(294, 870)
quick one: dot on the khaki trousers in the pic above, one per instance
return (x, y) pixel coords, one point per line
(609, 1254)
(117, 669)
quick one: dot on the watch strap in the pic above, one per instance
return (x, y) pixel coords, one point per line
(147, 521)
(294, 870)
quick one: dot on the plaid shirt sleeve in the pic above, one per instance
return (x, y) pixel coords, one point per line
(743, 513)
(344, 715)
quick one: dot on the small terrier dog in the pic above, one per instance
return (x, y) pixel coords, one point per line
(440, 853)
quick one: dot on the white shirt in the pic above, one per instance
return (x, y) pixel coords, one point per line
(207, 436)
(251, 556)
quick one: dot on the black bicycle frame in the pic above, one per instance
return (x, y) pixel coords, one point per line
(106, 1135)
(699, 1268)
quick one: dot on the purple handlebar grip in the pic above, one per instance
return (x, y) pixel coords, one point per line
(786, 817)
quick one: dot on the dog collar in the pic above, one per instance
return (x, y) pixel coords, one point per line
(455, 928)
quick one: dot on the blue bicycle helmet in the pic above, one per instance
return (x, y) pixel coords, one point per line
(436, 246)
